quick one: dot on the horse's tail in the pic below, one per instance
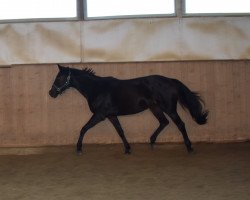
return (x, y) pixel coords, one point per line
(193, 102)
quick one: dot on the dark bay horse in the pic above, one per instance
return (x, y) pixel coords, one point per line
(109, 97)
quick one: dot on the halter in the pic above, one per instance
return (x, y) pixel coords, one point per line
(66, 84)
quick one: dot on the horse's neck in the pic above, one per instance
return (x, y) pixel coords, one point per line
(84, 84)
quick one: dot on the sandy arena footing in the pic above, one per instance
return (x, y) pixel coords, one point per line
(104, 172)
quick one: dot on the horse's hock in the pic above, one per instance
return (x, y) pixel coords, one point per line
(29, 117)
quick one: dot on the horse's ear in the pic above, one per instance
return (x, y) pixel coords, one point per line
(60, 67)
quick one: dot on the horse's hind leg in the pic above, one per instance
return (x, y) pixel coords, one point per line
(158, 113)
(114, 120)
(181, 126)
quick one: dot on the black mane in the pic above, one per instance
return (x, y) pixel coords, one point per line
(84, 71)
(88, 71)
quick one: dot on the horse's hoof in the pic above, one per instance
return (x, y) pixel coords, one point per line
(79, 153)
(190, 150)
(152, 145)
(127, 152)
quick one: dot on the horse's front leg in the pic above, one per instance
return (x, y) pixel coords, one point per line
(95, 119)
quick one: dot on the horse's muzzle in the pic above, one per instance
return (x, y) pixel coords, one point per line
(53, 93)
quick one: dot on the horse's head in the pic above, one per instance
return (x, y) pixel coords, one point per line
(62, 81)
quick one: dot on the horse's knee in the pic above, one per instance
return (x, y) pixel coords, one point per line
(163, 122)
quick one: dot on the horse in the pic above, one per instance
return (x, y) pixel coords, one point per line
(109, 97)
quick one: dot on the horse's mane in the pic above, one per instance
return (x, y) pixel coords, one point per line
(88, 71)
(85, 71)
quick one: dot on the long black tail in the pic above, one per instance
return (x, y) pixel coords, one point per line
(193, 102)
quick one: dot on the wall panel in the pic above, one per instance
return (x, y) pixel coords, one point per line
(26, 43)
(125, 40)
(29, 117)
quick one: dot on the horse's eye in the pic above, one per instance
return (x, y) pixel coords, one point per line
(60, 78)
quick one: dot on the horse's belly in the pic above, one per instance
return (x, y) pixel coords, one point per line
(132, 106)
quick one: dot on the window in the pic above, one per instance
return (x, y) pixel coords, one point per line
(217, 6)
(28, 9)
(108, 8)
(96, 9)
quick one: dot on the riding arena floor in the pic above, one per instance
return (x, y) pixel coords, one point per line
(104, 172)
